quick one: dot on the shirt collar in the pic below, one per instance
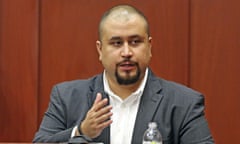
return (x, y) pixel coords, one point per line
(139, 91)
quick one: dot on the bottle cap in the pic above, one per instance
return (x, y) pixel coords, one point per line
(152, 125)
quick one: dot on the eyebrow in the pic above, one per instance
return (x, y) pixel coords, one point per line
(136, 36)
(130, 37)
(115, 38)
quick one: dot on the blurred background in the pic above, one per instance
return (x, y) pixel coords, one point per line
(44, 42)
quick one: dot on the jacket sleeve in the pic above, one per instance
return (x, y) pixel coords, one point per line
(194, 128)
(53, 127)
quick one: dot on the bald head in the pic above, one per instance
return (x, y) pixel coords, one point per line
(121, 14)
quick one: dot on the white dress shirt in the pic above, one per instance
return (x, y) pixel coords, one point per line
(124, 112)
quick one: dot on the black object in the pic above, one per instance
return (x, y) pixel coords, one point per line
(79, 140)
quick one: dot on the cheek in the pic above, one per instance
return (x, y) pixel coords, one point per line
(149, 56)
(144, 59)
(145, 56)
(109, 60)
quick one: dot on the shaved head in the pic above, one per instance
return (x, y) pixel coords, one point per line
(121, 14)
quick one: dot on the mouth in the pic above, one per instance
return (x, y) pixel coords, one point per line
(127, 65)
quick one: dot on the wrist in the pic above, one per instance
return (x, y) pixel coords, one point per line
(79, 130)
(80, 133)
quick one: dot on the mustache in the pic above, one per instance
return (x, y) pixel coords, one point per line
(127, 62)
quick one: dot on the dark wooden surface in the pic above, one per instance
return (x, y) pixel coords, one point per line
(215, 67)
(18, 69)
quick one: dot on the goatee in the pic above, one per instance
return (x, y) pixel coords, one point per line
(128, 79)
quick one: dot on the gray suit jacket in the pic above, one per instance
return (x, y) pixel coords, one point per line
(178, 111)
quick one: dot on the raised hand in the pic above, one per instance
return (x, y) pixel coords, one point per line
(97, 118)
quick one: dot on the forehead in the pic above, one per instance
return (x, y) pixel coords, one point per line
(121, 15)
(124, 25)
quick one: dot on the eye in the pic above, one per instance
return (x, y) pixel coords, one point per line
(116, 43)
(135, 42)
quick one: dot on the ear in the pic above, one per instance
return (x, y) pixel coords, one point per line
(150, 45)
(99, 49)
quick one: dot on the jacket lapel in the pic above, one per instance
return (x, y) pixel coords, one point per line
(98, 87)
(150, 101)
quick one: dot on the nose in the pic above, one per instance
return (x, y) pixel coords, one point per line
(126, 50)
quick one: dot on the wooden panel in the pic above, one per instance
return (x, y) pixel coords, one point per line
(215, 67)
(18, 70)
(169, 20)
(69, 31)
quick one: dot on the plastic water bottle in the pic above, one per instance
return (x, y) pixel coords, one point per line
(152, 134)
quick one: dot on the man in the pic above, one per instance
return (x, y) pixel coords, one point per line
(116, 106)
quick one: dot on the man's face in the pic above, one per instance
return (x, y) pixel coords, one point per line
(125, 49)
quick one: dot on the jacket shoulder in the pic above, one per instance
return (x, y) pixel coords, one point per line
(75, 89)
(77, 84)
(179, 92)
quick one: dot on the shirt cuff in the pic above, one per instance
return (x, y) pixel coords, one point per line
(73, 131)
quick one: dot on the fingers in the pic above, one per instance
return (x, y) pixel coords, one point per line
(101, 104)
(99, 111)
(104, 111)
(97, 118)
(103, 118)
(103, 125)
(98, 98)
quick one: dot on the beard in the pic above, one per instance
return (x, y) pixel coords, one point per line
(128, 79)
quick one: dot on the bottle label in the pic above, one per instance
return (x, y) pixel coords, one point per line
(151, 142)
